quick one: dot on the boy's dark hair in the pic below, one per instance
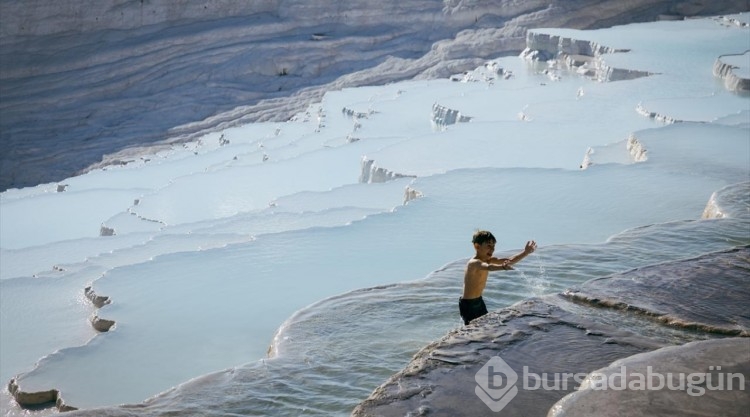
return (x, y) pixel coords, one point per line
(482, 236)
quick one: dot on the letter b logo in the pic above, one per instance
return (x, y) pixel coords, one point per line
(496, 384)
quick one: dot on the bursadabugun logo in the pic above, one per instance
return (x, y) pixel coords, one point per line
(496, 381)
(496, 384)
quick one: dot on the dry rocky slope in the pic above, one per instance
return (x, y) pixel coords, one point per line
(84, 79)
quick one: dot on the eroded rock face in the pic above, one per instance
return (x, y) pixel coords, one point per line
(371, 173)
(727, 72)
(60, 129)
(555, 343)
(536, 334)
(721, 203)
(30, 399)
(580, 55)
(707, 294)
(703, 378)
(443, 116)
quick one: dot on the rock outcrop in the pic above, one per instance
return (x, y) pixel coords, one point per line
(721, 203)
(28, 399)
(97, 300)
(176, 70)
(554, 344)
(640, 109)
(370, 172)
(443, 116)
(714, 376)
(584, 57)
(726, 71)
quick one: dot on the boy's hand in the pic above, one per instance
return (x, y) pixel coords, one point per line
(530, 247)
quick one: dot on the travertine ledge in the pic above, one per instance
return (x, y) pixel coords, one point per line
(726, 72)
(99, 324)
(98, 300)
(721, 393)
(440, 379)
(39, 398)
(371, 173)
(584, 57)
(580, 332)
(26, 398)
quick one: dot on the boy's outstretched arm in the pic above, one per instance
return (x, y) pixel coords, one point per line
(494, 264)
(528, 249)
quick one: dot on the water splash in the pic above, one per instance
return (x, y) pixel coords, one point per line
(537, 284)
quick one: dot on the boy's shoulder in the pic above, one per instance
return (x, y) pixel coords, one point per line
(474, 261)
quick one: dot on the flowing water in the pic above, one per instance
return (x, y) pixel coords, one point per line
(329, 356)
(252, 273)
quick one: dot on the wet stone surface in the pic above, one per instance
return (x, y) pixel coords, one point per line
(554, 343)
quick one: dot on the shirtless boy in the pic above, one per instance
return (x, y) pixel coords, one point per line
(471, 305)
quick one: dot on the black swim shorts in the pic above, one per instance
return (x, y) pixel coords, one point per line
(471, 308)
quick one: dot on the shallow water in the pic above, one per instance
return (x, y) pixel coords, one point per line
(329, 356)
(216, 247)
